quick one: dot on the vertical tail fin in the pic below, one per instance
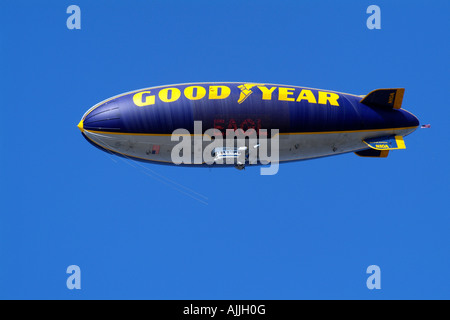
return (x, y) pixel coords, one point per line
(384, 98)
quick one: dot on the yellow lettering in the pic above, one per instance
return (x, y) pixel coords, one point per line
(137, 99)
(215, 93)
(306, 95)
(266, 93)
(391, 97)
(174, 94)
(189, 92)
(284, 93)
(328, 96)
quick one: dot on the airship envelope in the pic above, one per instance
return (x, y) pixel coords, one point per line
(307, 123)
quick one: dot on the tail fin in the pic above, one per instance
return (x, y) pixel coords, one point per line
(373, 153)
(386, 143)
(384, 98)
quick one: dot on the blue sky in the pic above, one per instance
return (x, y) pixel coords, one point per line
(308, 232)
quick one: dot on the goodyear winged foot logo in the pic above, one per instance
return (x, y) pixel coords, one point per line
(245, 91)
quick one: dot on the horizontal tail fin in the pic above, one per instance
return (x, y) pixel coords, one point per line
(384, 98)
(386, 143)
(373, 153)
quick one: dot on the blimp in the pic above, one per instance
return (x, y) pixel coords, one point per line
(307, 123)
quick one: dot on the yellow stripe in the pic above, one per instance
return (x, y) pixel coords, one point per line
(285, 133)
(291, 133)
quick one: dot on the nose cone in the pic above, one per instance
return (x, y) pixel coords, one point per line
(80, 125)
(105, 117)
(102, 125)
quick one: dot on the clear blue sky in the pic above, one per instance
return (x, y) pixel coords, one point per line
(308, 232)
